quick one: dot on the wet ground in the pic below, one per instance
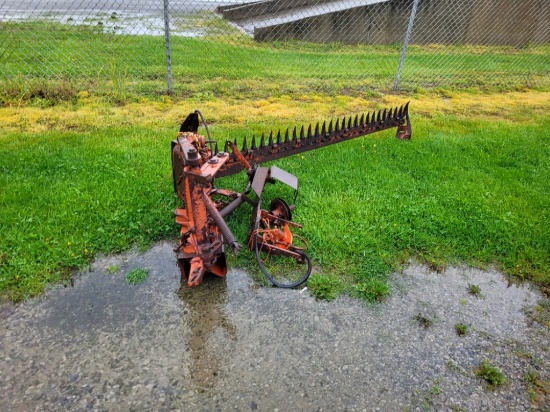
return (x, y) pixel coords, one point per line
(230, 345)
(123, 17)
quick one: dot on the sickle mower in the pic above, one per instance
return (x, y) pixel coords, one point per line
(197, 162)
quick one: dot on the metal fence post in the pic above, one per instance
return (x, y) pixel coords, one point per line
(405, 44)
(168, 48)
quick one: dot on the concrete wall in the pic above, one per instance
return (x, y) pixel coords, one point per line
(491, 22)
(496, 23)
(356, 25)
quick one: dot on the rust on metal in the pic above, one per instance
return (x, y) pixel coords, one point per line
(196, 162)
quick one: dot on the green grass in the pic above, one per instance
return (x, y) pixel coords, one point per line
(474, 290)
(460, 191)
(74, 195)
(324, 287)
(136, 276)
(372, 289)
(85, 165)
(472, 191)
(111, 269)
(491, 374)
(461, 329)
(231, 65)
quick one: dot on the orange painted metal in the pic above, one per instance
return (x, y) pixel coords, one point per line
(278, 236)
(203, 230)
(201, 246)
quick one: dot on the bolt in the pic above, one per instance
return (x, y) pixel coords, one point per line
(192, 153)
(193, 157)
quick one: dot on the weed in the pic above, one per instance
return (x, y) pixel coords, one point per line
(37, 92)
(461, 329)
(426, 397)
(530, 357)
(538, 389)
(463, 301)
(490, 373)
(324, 287)
(531, 377)
(474, 290)
(437, 265)
(116, 85)
(373, 290)
(111, 269)
(540, 313)
(423, 320)
(452, 365)
(203, 96)
(435, 390)
(136, 276)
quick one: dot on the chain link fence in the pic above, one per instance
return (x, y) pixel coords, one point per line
(228, 47)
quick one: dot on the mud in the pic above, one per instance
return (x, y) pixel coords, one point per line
(229, 345)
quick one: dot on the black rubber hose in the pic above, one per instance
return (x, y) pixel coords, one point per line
(204, 124)
(273, 281)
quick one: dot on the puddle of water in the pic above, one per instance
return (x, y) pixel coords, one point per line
(210, 330)
(134, 24)
(144, 19)
(106, 345)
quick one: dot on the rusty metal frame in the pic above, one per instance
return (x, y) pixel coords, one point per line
(196, 162)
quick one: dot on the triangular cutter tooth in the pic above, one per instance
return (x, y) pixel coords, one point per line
(366, 122)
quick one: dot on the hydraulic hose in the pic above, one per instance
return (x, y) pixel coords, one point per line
(270, 278)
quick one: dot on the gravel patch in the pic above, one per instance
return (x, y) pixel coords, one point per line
(103, 344)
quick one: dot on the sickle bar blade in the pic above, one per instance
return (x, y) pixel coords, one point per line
(279, 146)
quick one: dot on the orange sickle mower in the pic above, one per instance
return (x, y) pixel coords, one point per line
(204, 235)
